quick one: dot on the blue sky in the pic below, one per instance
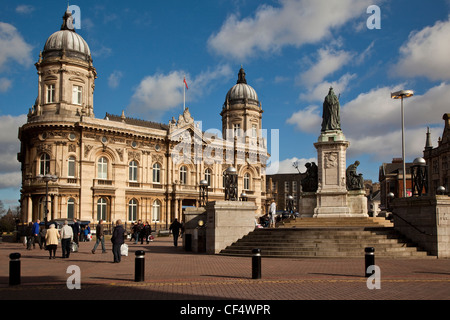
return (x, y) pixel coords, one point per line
(292, 52)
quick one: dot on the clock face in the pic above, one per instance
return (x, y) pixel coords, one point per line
(134, 144)
(104, 140)
(72, 136)
(157, 147)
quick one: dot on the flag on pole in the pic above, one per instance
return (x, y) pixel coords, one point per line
(184, 80)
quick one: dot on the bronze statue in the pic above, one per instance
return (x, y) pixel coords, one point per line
(311, 181)
(331, 112)
(354, 181)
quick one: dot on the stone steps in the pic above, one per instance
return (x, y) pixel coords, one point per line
(346, 237)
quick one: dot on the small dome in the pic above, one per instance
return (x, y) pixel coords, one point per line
(67, 40)
(241, 90)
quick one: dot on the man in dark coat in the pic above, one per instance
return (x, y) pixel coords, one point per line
(175, 228)
(117, 239)
(76, 231)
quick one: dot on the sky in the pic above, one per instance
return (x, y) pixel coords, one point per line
(292, 53)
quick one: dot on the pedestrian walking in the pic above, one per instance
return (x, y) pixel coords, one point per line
(117, 239)
(137, 230)
(51, 238)
(76, 231)
(35, 233)
(273, 213)
(175, 229)
(66, 239)
(100, 234)
(87, 232)
(29, 235)
(146, 231)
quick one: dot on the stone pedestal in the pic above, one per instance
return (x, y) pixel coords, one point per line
(357, 202)
(332, 192)
(194, 229)
(227, 222)
(307, 204)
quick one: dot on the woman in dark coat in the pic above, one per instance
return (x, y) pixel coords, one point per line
(117, 239)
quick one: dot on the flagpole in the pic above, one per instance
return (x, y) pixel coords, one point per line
(184, 94)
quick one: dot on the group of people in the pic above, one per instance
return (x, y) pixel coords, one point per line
(142, 231)
(50, 237)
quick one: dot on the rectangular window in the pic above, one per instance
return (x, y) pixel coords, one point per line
(254, 131)
(237, 130)
(76, 94)
(50, 93)
(71, 168)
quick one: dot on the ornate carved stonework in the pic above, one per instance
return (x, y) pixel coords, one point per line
(87, 149)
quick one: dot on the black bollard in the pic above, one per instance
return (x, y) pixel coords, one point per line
(256, 264)
(14, 269)
(370, 259)
(139, 266)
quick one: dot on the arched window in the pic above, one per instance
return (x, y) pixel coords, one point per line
(156, 173)
(247, 181)
(132, 171)
(71, 167)
(208, 176)
(70, 208)
(156, 211)
(102, 168)
(44, 164)
(102, 206)
(183, 175)
(132, 210)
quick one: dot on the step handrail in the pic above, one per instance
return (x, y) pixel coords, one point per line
(409, 223)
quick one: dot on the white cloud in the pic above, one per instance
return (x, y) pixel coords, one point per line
(307, 120)
(159, 93)
(13, 46)
(25, 9)
(114, 79)
(5, 84)
(286, 166)
(426, 53)
(292, 23)
(328, 62)
(10, 146)
(319, 91)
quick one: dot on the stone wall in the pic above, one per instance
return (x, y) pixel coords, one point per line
(227, 222)
(426, 221)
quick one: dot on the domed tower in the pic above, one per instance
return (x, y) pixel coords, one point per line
(66, 76)
(50, 140)
(242, 112)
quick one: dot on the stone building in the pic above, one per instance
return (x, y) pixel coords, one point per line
(117, 167)
(391, 180)
(281, 185)
(438, 159)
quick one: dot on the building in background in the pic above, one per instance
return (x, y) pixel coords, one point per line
(437, 159)
(118, 167)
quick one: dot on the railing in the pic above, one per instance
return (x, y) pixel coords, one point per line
(411, 225)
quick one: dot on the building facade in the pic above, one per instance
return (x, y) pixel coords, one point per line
(118, 167)
(282, 185)
(437, 159)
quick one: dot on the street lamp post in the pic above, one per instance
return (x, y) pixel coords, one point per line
(203, 193)
(401, 95)
(47, 178)
(231, 184)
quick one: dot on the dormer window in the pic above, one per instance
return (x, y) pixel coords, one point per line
(77, 94)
